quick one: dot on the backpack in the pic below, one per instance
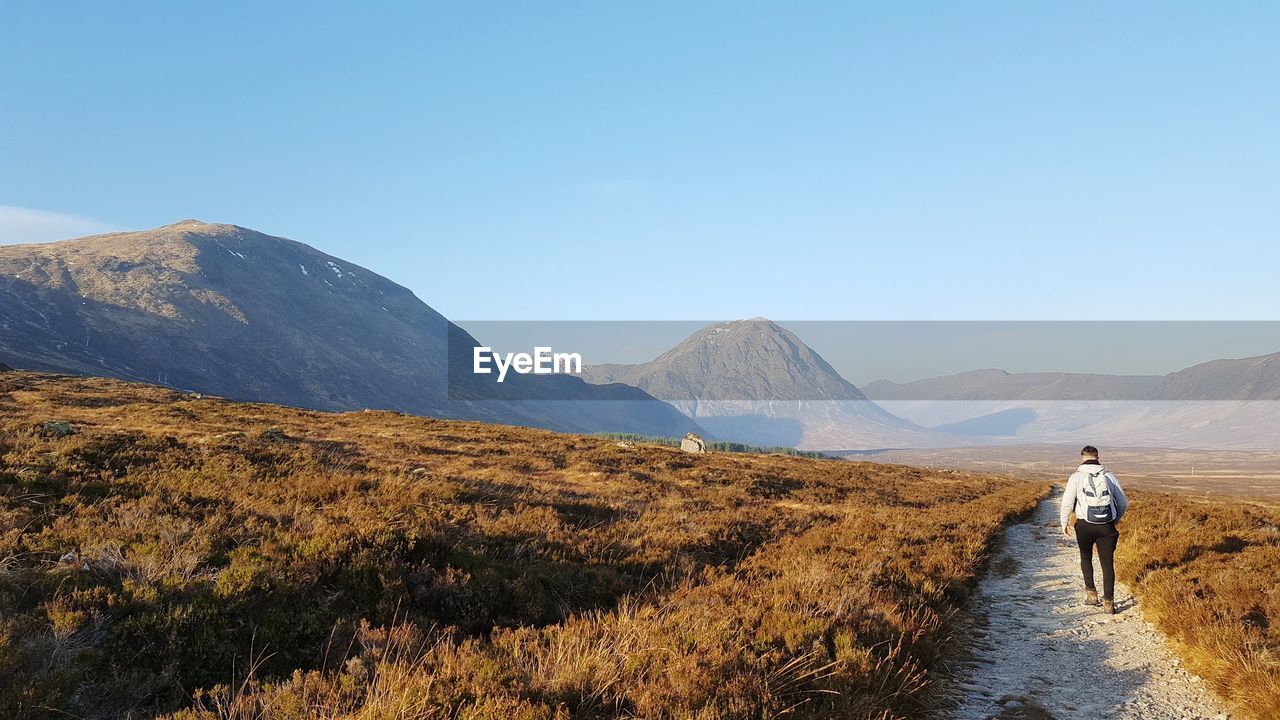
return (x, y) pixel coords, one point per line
(1095, 496)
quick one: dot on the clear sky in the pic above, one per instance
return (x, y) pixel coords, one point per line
(601, 160)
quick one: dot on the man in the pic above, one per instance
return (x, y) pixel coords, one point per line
(1099, 502)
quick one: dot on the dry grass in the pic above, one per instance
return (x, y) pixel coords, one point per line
(1206, 571)
(249, 561)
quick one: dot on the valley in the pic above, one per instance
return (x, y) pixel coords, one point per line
(225, 310)
(324, 508)
(1244, 474)
(639, 361)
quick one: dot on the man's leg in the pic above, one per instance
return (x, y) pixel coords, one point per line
(1107, 555)
(1085, 538)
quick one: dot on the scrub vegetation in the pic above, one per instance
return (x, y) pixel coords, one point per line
(712, 445)
(1206, 571)
(168, 554)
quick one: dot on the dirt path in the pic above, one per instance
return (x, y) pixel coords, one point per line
(1039, 653)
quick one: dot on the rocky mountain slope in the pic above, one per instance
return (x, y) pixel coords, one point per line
(1255, 378)
(754, 381)
(228, 311)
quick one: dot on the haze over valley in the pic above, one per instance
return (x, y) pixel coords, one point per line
(1229, 403)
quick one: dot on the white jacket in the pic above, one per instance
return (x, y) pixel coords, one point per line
(1071, 495)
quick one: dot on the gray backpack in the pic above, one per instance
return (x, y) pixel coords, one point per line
(1095, 496)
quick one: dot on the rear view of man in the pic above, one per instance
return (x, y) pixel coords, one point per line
(1098, 501)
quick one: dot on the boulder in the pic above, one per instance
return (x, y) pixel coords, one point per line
(693, 444)
(273, 434)
(58, 429)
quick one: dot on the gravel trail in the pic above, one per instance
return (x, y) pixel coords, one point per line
(1037, 652)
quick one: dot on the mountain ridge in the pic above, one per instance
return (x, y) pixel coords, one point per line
(1228, 403)
(1245, 379)
(710, 365)
(754, 381)
(226, 310)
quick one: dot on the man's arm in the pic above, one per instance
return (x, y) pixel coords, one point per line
(1121, 500)
(1067, 504)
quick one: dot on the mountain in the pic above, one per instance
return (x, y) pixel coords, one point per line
(1001, 385)
(1223, 403)
(225, 310)
(1255, 378)
(753, 381)
(753, 359)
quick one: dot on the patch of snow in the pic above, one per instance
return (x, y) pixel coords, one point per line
(334, 267)
(233, 252)
(304, 269)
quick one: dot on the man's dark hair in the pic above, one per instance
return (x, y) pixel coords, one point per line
(1089, 451)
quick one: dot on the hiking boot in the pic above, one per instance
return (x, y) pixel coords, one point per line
(1090, 597)
(1108, 607)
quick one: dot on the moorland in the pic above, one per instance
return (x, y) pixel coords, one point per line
(168, 554)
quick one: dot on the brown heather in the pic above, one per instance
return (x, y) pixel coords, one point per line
(1207, 571)
(230, 560)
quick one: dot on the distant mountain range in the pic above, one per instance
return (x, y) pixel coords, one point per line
(1001, 385)
(1222, 403)
(1255, 378)
(756, 382)
(753, 381)
(228, 311)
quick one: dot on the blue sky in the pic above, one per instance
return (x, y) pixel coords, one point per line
(653, 160)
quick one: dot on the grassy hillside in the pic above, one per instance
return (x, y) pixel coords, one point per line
(162, 553)
(1206, 571)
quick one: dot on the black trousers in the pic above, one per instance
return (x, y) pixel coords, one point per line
(1104, 537)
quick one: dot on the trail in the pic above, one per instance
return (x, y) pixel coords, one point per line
(1038, 652)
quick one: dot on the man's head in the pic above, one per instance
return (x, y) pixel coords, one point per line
(1089, 452)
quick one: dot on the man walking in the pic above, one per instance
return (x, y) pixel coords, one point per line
(1099, 502)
